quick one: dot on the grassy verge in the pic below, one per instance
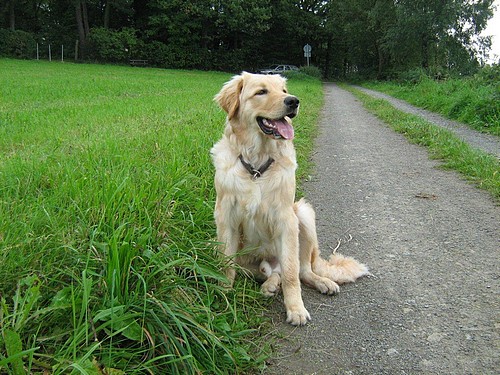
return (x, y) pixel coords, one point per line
(474, 100)
(310, 92)
(473, 164)
(106, 228)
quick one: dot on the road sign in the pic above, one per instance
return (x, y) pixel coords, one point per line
(307, 52)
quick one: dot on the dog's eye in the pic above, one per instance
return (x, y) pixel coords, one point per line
(261, 92)
(285, 91)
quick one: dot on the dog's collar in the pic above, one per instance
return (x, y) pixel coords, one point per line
(256, 173)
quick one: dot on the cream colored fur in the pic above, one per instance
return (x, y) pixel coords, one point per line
(261, 214)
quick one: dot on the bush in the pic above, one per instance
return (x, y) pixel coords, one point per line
(413, 76)
(312, 71)
(4, 35)
(174, 57)
(157, 54)
(110, 45)
(489, 75)
(18, 44)
(304, 73)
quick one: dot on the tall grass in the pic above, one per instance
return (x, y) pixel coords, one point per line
(472, 100)
(106, 232)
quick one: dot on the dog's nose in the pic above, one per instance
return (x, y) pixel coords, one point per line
(292, 102)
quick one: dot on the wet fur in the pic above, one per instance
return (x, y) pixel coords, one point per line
(260, 215)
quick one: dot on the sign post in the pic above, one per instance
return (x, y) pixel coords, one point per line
(307, 52)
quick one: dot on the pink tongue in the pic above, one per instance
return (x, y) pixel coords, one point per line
(284, 128)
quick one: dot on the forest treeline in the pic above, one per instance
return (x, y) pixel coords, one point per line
(370, 38)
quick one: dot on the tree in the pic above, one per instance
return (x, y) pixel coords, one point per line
(242, 20)
(374, 38)
(426, 29)
(123, 10)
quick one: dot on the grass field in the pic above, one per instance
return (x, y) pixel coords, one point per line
(106, 230)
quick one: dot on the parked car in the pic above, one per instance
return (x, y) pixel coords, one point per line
(277, 69)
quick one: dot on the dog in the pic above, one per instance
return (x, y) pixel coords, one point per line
(260, 227)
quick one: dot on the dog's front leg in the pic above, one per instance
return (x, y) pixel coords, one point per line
(228, 237)
(288, 248)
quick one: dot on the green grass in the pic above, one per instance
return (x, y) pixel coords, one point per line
(107, 246)
(475, 165)
(474, 100)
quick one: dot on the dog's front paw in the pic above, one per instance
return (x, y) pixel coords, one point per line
(297, 316)
(230, 276)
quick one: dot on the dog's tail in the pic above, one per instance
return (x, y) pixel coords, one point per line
(338, 268)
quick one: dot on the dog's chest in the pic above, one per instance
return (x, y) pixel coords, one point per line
(258, 219)
(252, 202)
(261, 208)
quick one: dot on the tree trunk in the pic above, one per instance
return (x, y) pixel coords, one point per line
(12, 15)
(328, 59)
(82, 24)
(380, 61)
(425, 52)
(106, 14)
(85, 18)
(79, 23)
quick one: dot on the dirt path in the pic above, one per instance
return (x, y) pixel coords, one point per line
(432, 242)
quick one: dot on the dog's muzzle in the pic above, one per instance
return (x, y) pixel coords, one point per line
(281, 128)
(292, 104)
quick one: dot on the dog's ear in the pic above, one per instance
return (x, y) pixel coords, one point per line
(229, 96)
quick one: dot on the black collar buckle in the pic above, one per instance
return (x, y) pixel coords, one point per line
(256, 173)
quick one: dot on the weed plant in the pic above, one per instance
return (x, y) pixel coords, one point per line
(475, 165)
(107, 252)
(472, 100)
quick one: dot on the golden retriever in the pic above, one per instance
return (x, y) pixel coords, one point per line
(259, 224)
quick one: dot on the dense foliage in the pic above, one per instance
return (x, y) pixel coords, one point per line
(366, 37)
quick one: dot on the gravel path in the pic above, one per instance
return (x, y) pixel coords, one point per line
(485, 142)
(431, 240)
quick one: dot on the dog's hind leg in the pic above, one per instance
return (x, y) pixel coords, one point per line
(338, 268)
(271, 286)
(271, 269)
(309, 250)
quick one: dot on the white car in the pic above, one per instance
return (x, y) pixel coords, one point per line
(277, 69)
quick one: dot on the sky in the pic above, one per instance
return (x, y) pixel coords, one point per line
(493, 29)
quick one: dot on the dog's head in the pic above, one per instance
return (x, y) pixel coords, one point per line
(260, 103)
